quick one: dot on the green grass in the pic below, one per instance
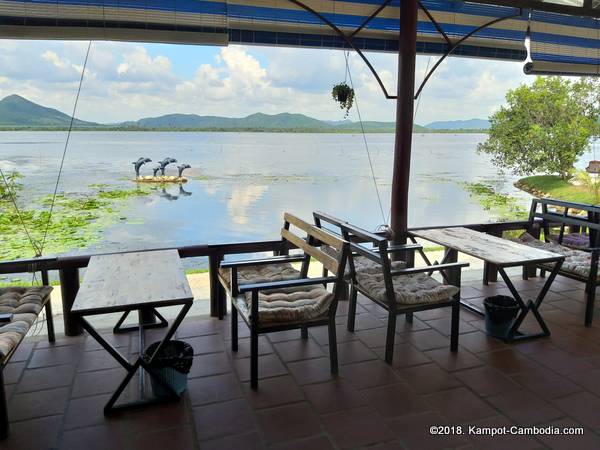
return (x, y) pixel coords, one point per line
(193, 271)
(560, 189)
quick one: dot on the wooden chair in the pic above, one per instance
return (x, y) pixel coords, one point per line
(270, 295)
(581, 261)
(398, 290)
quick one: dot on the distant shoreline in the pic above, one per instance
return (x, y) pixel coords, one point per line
(245, 130)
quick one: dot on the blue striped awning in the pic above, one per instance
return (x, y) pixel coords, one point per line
(564, 44)
(560, 43)
(263, 22)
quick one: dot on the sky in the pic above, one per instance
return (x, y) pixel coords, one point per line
(128, 81)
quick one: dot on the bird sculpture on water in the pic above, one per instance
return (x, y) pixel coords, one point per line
(164, 163)
(138, 164)
(182, 167)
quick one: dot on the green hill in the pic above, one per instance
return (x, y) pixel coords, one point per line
(255, 121)
(16, 111)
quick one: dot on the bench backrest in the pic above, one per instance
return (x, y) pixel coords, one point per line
(566, 214)
(356, 235)
(311, 242)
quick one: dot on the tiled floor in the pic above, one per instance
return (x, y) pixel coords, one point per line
(57, 392)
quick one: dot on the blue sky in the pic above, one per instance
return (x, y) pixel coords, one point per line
(127, 81)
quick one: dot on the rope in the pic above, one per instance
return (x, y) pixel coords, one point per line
(20, 217)
(365, 140)
(62, 161)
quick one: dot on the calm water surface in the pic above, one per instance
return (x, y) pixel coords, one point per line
(244, 181)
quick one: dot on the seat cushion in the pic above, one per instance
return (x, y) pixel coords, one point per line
(288, 305)
(262, 274)
(576, 261)
(362, 264)
(573, 240)
(25, 304)
(410, 289)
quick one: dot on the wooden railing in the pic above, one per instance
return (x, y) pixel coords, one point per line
(68, 266)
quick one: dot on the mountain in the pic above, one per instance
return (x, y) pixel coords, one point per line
(471, 124)
(260, 121)
(253, 121)
(16, 111)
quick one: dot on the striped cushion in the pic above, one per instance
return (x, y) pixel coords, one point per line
(262, 274)
(362, 264)
(25, 304)
(410, 289)
(576, 261)
(288, 305)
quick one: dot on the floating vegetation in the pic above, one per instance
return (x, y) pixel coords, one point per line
(501, 205)
(78, 221)
(255, 177)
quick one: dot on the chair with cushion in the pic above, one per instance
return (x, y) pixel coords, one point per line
(581, 251)
(24, 303)
(271, 295)
(391, 284)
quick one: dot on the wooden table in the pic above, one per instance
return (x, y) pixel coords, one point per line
(126, 282)
(502, 253)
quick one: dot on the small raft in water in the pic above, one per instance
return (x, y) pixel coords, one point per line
(161, 179)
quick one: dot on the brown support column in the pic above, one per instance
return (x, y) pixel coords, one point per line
(69, 286)
(407, 54)
(217, 295)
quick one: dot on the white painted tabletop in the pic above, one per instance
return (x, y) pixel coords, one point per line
(492, 249)
(123, 281)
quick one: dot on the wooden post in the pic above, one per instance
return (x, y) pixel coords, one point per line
(69, 286)
(490, 271)
(407, 54)
(216, 296)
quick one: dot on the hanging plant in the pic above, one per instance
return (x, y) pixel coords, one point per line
(344, 95)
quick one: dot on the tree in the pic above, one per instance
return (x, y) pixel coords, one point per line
(544, 127)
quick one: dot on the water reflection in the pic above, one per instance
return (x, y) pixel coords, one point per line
(241, 199)
(171, 197)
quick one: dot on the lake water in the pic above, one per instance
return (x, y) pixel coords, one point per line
(245, 181)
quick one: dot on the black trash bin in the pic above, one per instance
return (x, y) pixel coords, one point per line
(171, 365)
(500, 312)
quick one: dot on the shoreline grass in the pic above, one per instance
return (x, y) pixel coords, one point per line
(555, 187)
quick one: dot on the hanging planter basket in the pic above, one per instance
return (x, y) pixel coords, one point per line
(344, 95)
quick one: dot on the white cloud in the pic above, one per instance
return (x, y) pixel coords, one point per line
(127, 81)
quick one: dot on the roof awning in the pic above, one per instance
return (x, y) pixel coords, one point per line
(275, 22)
(560, 43)
(565, 45)
(264, 22)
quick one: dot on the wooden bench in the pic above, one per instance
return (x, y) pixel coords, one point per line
(271, 295)
(581, 256)
(391, 284)
(25, 303)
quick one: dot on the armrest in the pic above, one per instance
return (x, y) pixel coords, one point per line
(438, 267)
(285, 284)
(408, 247)
(262, 261)
(589, 249)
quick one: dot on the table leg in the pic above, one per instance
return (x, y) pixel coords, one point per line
(139, 363)
(513, 333)
(153, 324)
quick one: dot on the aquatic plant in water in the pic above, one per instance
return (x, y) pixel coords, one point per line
(78, 220)
(501, 205)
